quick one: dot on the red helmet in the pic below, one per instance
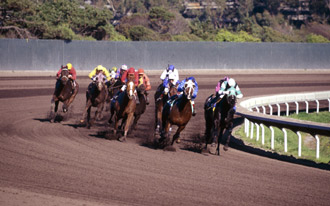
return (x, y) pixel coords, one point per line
(131, 70)
(140, 71)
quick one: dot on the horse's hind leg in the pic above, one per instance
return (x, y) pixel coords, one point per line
(230, 128)
(177, 134)
(136, 119)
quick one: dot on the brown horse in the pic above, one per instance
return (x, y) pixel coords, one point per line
(177, 113)
(160, 100)
(124, 107)
(96, 96)
(218, 119)
(140, 108)
(63, 93)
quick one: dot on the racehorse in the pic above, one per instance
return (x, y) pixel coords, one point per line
(114, 86)
(124, 107)
(177, 112)
(140, 108)
(160, 100)
(218, 119)
(63, 93)
(96, 96)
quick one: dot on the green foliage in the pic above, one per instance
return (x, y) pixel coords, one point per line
(322, 117)
(140, 33)
(313, 38)
(242, 36)
(160, 19)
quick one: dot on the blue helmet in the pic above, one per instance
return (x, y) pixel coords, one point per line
(170, 68)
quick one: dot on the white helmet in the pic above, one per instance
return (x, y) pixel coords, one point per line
(124, 67)
(231, 82)
(171, 75)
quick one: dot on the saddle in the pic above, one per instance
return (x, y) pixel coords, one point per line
(212, 102)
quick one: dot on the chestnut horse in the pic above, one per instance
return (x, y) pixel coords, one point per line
(96, 96)
(124, 107)
(63, 93)
(160, 100)
(218, 119)
(140, 108)
(177, 113)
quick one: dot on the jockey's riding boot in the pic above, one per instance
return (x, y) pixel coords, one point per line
(193, 108)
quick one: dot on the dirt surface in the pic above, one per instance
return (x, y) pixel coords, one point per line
(62, 163)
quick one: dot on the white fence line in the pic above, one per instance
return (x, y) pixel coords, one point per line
(257, 118)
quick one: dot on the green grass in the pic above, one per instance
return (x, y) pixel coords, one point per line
(308, 150)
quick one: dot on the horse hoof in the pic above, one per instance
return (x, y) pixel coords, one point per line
(225, 148)
(82, 121)
(178, 141)
(122, 139)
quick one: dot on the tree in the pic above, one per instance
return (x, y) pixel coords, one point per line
(160, 19)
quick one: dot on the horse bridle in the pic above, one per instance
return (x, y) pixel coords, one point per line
(129, 89)
(190, 86)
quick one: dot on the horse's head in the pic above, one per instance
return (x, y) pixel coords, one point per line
(189, 87)
(231, 96)
(141, 88)
(99, 81)
(173, 90)
(130, 88)
(64, 75)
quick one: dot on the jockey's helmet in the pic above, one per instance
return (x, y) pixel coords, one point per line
(226, 78)
(131, 70)
(114, 69)
(171, 76)
(170, 68)
(124, 67)
(99, 68)
(231, 82)
(140, 71)
(69, 66)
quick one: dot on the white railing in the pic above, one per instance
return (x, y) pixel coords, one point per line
(257, 119)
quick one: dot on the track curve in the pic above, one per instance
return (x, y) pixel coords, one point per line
(46, 163)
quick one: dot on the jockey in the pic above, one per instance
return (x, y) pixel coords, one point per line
(170, 70)
(228, 85)
(120, 72)
(72, 76)
(97, 70)
(181, 89)
(130, 74)
(144, 79)
(112, 72)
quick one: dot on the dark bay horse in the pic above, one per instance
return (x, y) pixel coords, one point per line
(96, 96)
(160, 100)
(124, 107)
(177, 113)
(63, 93)
(218, 119)
(140, 108)
(114, 85)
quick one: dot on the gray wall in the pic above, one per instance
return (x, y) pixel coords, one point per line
(20, 54)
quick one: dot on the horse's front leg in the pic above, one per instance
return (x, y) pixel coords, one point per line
(98, 112)
(88, 105)
(219, 140)
(136, 119)
(53, 109)
(127, 126)
(230, 129)
(177, 134)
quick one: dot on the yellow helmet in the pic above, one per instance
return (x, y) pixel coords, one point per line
(69, 65)
(99, 68)
(114, 69)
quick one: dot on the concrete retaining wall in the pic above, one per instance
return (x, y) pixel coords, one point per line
(48, 55)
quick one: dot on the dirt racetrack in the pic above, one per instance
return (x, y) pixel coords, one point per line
(43, 163)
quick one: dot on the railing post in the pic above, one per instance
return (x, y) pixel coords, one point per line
(257, 109)
(329, 104)
(297, 107)
(278, 110)
(262, 134)
(285, 140)
(257, 126)
(317, 147)
(251, 136)
(317, 106)
(263, 109)
(299, 144)
(306, 107)
(272, 138)
(287, 109)
(271, 108)
(248, 128)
